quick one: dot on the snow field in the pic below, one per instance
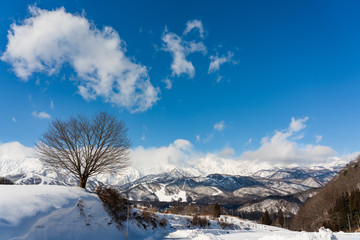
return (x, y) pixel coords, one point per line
(36, 212)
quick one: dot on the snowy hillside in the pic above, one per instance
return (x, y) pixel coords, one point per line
(58, 212)
(52, 212)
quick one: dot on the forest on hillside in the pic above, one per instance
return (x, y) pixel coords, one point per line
(336, 205)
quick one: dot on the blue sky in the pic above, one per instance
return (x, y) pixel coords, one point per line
(222, 75)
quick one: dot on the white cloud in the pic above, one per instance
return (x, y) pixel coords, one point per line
(349, 157)
(219, 126)
(52, 106)
(15, 150)
(297, 124)
(183, 144)
(249, 141)
(181, 154)
(194, 24)
(47, 40)
(282, 148)
(208, 138)
(217, 61)
(13, 119)
(153, 160)
(16, 158)
(318, 138)
(168, 83)
(197, 137)
(227, 152)
(41, 115)
(179, 50)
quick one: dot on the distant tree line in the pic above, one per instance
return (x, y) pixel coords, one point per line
(193, 209)
(5, 181)
(280, 220)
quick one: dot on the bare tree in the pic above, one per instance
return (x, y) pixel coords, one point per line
(85, 146)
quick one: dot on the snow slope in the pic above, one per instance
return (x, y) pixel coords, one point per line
(37, 212)
(323, 234)
(52, 212)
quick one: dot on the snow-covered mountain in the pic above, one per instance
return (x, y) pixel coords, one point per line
(204, 182)
(250, 196)
(20, 164)
(262, 183)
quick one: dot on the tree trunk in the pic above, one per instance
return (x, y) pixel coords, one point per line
(83, 181)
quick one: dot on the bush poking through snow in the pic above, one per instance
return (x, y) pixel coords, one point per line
(163, 223)
(4, 180)
(146, 219)
(200, 221)
(225, 225)
(116, 205)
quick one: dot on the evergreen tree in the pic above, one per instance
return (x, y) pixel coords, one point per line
(280, 218)
(266, 218)
(346, 211)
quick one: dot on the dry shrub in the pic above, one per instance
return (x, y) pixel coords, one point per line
(188, 222)
(146, 219)
(200, 221)
(225, 225)
(116, 205)
(163, 222)
(4, 180)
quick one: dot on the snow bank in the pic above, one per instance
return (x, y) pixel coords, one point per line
(323, 234)
(36, 212)
(18, 202)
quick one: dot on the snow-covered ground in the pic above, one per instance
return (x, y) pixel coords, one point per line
(52, 212)
(37, 212)
(259, 235)
(253, 231)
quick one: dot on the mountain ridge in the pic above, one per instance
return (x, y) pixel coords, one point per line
(188, 185)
